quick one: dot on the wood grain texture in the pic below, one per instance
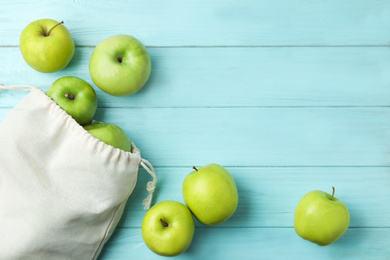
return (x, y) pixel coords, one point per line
(256, 136)
(208, 23)
(268, 195)
(257, 243)
(233, 77)
(290, 96)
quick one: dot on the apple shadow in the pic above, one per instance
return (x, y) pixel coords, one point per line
(152, 77)
(204, 241)
(99, 115)
(349, 238)
(76, 60)
(199, 241)
(245, 198)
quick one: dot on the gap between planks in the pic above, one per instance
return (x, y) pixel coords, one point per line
(237, 46)
(259, 227)
(229, 107)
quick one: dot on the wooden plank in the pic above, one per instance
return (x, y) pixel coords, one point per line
(256, 243)
(268, 196)
(233, 77)
(256, 136)
(205, 23)
(290, 96)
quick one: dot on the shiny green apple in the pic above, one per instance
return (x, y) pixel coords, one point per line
(321, 218)
(110, 134)
(46, 45)
(168, 228)
(75, 96)
(210, 192)
(120, 65)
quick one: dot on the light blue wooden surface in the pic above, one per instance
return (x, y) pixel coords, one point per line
(290, 96)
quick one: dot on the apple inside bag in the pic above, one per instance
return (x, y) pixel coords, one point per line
(62, 191)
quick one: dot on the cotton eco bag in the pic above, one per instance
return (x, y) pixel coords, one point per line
(62, 191)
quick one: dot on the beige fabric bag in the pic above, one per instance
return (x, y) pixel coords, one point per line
(62, 191)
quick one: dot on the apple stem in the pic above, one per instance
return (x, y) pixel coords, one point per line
(332, 193)
(48, 33)
(193, 167)
(69, 96)
(165, 224)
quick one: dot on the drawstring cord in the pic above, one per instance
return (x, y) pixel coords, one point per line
(151, 185)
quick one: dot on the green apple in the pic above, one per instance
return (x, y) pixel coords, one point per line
(321, 218)
(46, 45)
(210, 192)
(168, 228)
(75, 96)
(120, 65)
(110, 134)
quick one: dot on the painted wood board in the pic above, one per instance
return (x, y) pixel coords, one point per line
(208, 23)
(269, 195)
(256, 136)
(257, 243)
(291, 96)
(234, 77)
